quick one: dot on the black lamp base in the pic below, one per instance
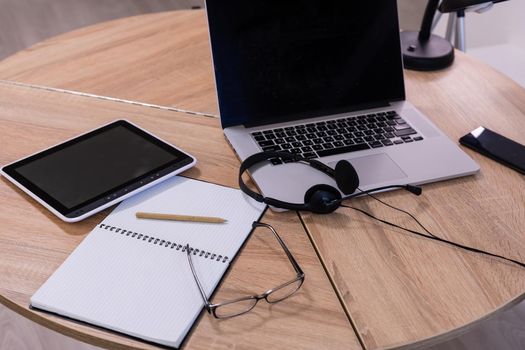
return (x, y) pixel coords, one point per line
(436, 53)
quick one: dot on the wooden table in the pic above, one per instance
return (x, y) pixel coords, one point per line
(390, 287)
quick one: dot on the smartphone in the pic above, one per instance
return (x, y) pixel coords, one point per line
(497, 147)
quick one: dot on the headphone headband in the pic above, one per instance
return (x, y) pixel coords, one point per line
(262, 156)
(320, 198)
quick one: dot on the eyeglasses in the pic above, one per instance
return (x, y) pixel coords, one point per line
(239, 306)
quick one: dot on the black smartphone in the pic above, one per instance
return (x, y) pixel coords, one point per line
(497, 147)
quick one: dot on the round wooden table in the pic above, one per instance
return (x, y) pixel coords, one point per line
(368, 286)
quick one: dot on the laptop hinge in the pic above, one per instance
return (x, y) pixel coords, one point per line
(299, 116)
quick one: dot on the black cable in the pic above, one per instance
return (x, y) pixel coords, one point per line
(401, 210)
(436, 238)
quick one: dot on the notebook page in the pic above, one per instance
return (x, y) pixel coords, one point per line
(184, 196)
(120, 280)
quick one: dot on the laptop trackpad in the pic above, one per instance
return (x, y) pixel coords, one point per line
(375, 169)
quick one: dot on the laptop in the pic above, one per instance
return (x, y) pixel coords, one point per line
(323, 79)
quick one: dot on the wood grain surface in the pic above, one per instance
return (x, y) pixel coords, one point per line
(160, 58)
(414, 288)
(33, 242)
(395, 287)
(26, 22)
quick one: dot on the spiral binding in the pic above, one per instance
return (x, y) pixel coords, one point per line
(164, 243)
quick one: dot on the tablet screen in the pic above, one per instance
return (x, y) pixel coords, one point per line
(96, 166)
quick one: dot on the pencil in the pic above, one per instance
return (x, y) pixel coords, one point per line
(174, 217)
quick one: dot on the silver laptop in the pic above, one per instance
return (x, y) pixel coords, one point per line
(323, 79)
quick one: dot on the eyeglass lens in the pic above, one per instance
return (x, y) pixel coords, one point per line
(284, 291)
(235, 308)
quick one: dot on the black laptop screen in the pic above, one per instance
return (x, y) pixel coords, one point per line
(283, 60)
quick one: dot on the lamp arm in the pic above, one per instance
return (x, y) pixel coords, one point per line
(428, 18)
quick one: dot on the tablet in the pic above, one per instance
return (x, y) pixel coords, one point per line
(95, 170)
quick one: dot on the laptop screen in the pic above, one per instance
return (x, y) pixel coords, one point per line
(278, 61)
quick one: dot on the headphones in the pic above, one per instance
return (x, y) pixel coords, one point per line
(321, 198)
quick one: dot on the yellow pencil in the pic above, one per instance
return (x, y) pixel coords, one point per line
(191, 218)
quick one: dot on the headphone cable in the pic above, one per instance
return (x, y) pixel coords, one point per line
(430, 235)
(400, 210)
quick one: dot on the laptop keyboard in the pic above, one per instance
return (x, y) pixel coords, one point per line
(341, 135)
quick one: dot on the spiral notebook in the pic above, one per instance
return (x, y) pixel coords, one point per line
(132, 275)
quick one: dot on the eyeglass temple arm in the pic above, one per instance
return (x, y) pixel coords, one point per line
(283, 245)
(194, 273)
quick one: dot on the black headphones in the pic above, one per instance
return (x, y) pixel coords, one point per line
(322, 198)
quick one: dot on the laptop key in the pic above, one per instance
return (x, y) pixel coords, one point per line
(309, 155)
(276, 161)
(317, 147)
(272, 148)
(418, 138)
(266, 143)
(387, 142)
(405, 132)
(401, 127)
(346, 149)
(376, 144)
(308, 143)
(398, 142)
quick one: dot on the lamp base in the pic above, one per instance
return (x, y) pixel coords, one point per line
(436, 53)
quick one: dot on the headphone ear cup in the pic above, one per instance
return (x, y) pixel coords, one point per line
(322, 199)
(346, 177)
